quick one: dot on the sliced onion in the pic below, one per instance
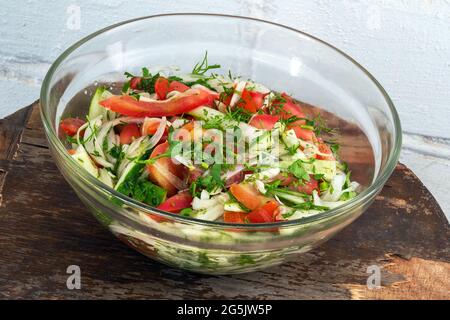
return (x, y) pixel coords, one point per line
(212, 213)
(201, 87)
(111, 140)
(94, 146)
(185, 162)
(238, 168)
(141, 145)
(337, 184)
(172, 94)
(178, 123)
(158, 134)
(222, 107)
(233, 176)
(147, 121)
(171, 178)
(144, 96)
(240, 86)
(80, 129)
(120, 120)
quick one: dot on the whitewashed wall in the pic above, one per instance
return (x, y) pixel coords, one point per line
(404, 43)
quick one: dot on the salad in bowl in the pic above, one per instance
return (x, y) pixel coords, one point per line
(218, 169)
(211, 147)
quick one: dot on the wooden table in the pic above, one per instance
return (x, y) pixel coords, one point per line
(44, 228)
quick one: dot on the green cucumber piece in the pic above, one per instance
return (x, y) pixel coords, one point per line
(105, 177)
(95, 109)
(233, 206)
(325, 167)
(130, 173)
(82, 157)
(291, 196)
(205, 113)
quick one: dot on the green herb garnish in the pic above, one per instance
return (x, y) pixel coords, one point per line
(202, 67)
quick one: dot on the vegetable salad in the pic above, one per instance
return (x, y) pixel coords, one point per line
(212, 147)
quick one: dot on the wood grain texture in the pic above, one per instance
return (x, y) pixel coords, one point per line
(44, 228)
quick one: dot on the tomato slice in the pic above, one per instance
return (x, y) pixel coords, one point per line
(324, 148)
(178, 86)
(150, 127)
(161, 87)
(309, 186)
(234, 217)
(177, 202)
(71, 125)
(285, 180)
(135, 82)
(248, 195)
(161, 171)
(264, 121)
(287, 108)
(184, 102)
(264, 214)
(251, 100)
(302, 133)
(129, 132)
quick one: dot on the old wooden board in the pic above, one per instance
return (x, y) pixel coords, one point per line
(44, 229)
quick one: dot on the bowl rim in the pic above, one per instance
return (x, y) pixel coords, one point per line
(366, 194)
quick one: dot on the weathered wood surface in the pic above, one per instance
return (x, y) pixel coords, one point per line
(44, 228)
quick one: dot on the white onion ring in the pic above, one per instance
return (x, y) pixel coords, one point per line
(135, 145)
(171, 178)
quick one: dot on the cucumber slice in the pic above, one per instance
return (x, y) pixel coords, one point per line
(233, 206)
(82, 157)
(95, 109)
(209, 114)
(130, 172)
(325, 167)
(290, 196)
(205, 113)
(105, 177)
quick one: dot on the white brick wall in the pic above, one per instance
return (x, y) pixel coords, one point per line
(404, 43)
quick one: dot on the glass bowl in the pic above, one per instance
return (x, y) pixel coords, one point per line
(280, 57)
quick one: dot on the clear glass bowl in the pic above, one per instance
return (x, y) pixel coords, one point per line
(283, 59)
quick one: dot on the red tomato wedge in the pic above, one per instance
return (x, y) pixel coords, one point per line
(324, 148)
(71, 125)
(177, 202)
(178, 86)
(151, 126)
(285, 180)
(234, 217)
(135, 82)
(288, 108)
(184, 102)
(251, 100)
(164, 170)
(161, 87)
(248, 195)
(264, 214)
(129, 133)
(302, 133)
(264, 121)
(309, 186)
(291, 182)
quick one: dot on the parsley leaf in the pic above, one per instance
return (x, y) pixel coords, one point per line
(298, 170)
(209, 182)
(142, 190)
